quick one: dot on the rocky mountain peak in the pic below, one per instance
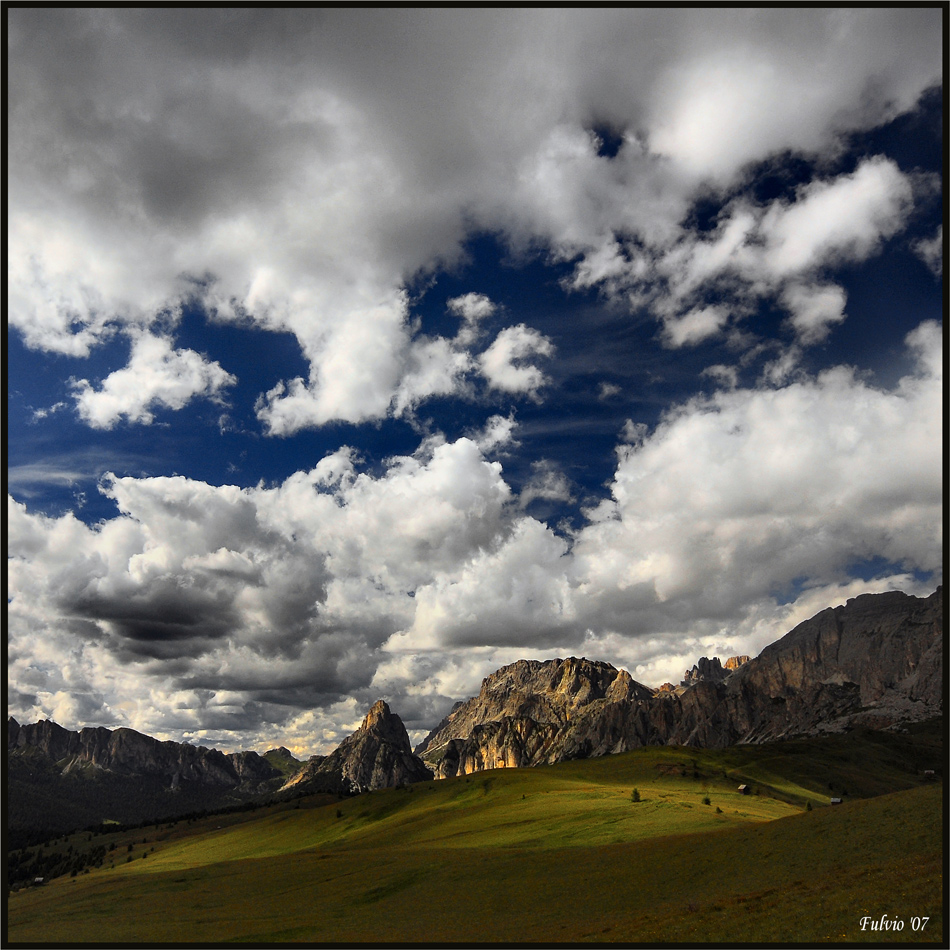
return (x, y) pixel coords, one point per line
(522, 706)
(377, 755)
(712, 670)
(281, 752)
(566, 683)
(379, 710)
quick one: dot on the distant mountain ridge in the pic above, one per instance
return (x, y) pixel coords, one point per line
(712, 669)
(127, 752)
(59, 780)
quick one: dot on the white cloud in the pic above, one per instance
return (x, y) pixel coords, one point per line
(547, 483)
(39, 414)
(202, 609)
(930, 251)
(844, 219)
(497, 432)
(356, 365)
(814, 309)
(251, 162)
(777, 250)
(287, 182)
(694, 327)
(738, 494)
(782, 82)
(781, 369)
(435, 368)
(280, 596)
(471, 308)
(727, 376)
(517, 593)
(634, 432)
(156, 375)
(503, 366)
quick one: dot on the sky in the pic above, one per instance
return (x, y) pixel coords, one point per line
(353, 354)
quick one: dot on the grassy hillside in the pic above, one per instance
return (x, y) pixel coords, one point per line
(548, 854)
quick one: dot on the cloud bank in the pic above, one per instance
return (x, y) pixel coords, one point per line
(338, 583)
(248, 161)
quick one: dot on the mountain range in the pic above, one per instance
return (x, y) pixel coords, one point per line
(876, 662)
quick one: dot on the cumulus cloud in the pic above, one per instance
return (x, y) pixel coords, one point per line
(842, 219)
(727, 376)
(251, 162)
(199, 606)
(634, 432)
(930, 251)
(547, 483)
(156, 375)
(471, 308)
(732, 101)
(736, 495)
(378, 364)
(694, 327)
(497, 432)
(504, 364)
(528, 600)
(814, 309)
(280, 596)
(778, 250)
(248, 163)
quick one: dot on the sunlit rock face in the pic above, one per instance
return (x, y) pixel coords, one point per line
(875, 661)
(377, 755)
(525, 712)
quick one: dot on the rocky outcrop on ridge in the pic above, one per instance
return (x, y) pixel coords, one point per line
(713, 670)
(377, 755)
(875, 661)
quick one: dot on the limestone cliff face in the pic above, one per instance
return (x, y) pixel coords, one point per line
(377, 755)
(875, 661)
(125, 752)
(524, 713)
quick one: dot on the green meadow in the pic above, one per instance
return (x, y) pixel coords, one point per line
(550, 854)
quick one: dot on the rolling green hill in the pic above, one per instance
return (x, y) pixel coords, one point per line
(558, 853)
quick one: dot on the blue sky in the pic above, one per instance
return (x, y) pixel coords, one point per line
(353, 354)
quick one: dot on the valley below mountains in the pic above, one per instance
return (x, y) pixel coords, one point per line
(875, 662)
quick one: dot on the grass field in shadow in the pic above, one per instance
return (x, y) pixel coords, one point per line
(552, 854)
